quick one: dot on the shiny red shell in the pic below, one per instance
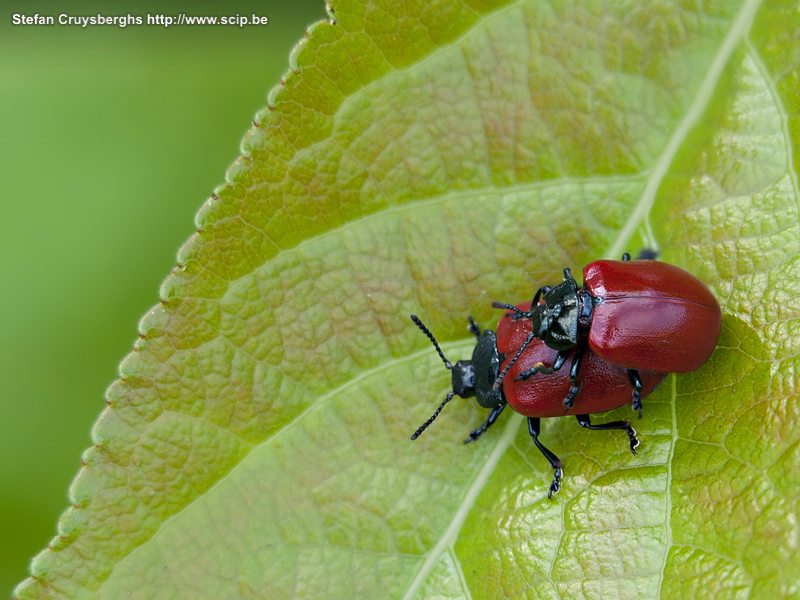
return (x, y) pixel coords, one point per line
(653, 316)
(604, 386)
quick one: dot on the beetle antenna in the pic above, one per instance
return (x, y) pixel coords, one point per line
(447, 363)
(499, 381)
(436, 414)
(511, 307)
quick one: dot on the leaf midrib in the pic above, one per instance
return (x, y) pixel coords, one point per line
(736, 34)
(447, 540)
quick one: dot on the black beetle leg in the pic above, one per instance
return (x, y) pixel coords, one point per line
(626, 256)
(539, 367)
(538, 294)
(585, 421)
(473, 327)
(555, 462)
(637, 390)
(569, 401)
(474, 435)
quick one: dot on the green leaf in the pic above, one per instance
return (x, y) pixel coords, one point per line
(431, 161)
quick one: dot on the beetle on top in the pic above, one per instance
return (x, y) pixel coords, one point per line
(637, 314)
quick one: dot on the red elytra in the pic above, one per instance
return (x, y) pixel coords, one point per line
(604, 386)
(653, 316)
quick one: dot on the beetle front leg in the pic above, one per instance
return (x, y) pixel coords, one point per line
(538, 295)
(474, 435)
(555, 462)
(569, 401)
(637, 390)
(585, 421)
(473, 327)
(540, 367)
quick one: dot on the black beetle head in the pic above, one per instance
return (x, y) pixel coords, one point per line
(463, 378)
(469, 377)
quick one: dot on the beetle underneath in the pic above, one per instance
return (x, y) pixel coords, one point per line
(607, 386)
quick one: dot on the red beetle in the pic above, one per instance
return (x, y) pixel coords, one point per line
(604, 386)
(636, 314)
(607, 386)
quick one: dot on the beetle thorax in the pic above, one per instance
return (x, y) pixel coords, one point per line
(555, 319)
(486, 361)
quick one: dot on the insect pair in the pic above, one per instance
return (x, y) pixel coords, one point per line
(631, 323)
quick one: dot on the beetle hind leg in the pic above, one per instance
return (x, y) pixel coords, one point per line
(585, 421)
(637, 390)
(474, 435)
(555, 462)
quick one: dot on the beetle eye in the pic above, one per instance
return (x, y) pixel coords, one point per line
(469, 379)
(463, 378)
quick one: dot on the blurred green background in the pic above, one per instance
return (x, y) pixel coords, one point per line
(112, 138)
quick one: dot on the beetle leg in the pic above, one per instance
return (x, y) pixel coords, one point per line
(538, 294)
(539, 367)
(474, 435)
(637, 390)
(569, 401)
(555, 462)
(473, 327)
(585, 421)
(626, 256)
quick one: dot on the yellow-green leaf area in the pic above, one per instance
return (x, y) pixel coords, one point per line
(430, 158)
